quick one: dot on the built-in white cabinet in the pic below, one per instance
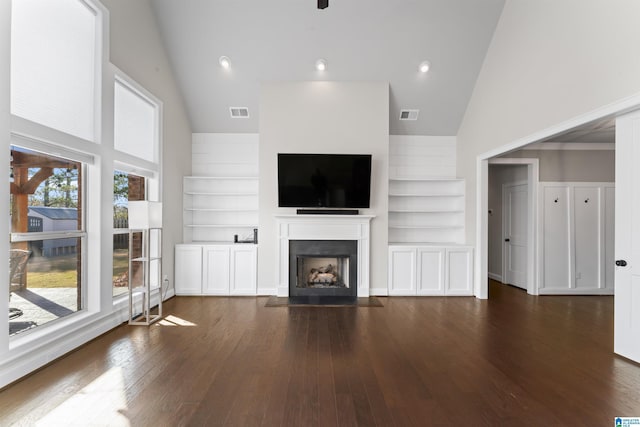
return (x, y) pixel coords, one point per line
(216, 269)
(430, 270)
(217, 208)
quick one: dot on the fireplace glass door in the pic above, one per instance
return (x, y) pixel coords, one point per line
(323, 267)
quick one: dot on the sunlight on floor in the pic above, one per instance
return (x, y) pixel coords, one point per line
(101, 403)
(175, 321)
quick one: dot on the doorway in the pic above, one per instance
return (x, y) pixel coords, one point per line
(512, 201)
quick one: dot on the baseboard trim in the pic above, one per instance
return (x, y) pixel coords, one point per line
(380, 292)
(568, 291)
(494, 276)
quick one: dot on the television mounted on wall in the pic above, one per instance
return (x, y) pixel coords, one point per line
(324, 180)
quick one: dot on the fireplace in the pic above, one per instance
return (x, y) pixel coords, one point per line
(328, 228)
(323, 268)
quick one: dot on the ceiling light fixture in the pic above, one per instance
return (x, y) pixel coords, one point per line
(225, 62)
(424, 66)
(321, 64)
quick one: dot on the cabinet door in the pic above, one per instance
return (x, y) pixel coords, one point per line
(431, 271)
(188, 267)
(243, 270)
(216, 270)
(402, 271)
(459, 272)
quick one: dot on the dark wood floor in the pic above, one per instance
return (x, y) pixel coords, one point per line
(512, 360)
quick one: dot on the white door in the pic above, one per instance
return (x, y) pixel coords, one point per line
(514, 220)
(627, 238)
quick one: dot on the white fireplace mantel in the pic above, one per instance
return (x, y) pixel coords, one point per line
(323, 227)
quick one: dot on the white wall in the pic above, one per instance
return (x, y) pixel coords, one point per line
(137, 49)
(548, 62)
(498, 176)
(323, 117)
(572, 165)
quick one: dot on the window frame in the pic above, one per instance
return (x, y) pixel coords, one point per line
(42, 138)
(86, 162)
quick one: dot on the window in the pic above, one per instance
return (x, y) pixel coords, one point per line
(54, 60)
(135, 122)
(126, 187)
(46, 241)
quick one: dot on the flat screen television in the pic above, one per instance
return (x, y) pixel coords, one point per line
(324, 180)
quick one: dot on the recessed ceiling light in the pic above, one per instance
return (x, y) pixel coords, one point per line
(321, 64)
(424, 66)
(225, 62)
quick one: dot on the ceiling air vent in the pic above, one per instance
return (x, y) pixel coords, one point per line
(409, 114)
(239, 112)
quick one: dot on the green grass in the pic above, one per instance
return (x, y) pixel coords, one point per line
(54, 279)
(61, 271)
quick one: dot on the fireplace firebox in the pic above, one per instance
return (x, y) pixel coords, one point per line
(323, 268)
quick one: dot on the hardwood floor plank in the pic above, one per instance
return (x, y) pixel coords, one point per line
(512, 360)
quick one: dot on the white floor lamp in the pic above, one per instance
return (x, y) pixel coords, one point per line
(145, 217)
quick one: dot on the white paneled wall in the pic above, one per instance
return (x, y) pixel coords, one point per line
(576, 237)
(224, 154)
(422, 156)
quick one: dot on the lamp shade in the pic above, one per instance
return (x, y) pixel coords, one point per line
(144, 214)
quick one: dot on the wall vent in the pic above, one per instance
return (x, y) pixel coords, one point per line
(409, 114)
(239, 112)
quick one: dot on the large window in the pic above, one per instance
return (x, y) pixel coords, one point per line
(54, 61)
(47, 236)
(135, 122)
(56, 77)
(136, 141)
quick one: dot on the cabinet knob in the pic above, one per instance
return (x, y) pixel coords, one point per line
(507, 240)
(621, 263)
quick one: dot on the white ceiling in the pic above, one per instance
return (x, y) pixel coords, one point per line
(362, 40)
(599, 131)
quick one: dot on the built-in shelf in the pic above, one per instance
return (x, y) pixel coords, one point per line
(216, 208)
(426, 210)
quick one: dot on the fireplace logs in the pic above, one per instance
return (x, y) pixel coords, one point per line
(323, 276)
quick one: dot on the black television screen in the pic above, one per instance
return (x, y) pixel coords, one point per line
(324, 180)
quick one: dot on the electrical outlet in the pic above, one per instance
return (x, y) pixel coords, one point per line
(578, 275)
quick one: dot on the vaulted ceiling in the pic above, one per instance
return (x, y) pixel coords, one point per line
(362, 40)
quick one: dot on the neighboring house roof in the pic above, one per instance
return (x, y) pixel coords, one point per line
(55, 213)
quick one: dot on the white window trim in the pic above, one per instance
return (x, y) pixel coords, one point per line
(46, 148)
(50, 148)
